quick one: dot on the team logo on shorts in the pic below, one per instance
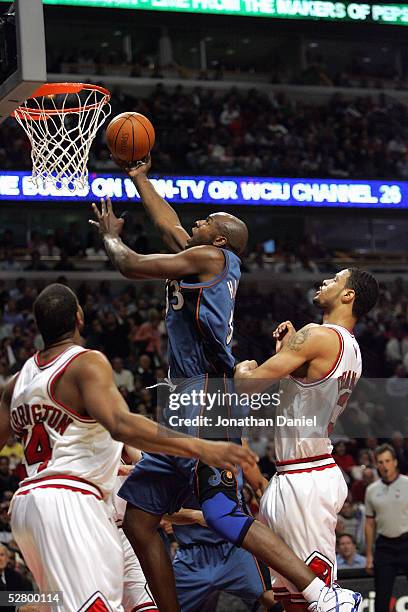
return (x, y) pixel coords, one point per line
(228, 478)
(225, 477)
(321, 566)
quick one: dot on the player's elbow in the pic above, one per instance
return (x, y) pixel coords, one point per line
(118, 428)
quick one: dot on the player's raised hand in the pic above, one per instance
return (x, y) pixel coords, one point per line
(282, 334)
(135, 169)
(227, 455)
(106, 220)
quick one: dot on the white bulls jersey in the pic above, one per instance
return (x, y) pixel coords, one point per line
(309, 488)
(60, 444)
(316, 405)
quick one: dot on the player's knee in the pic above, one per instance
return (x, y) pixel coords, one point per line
(139, 526)
(224, 516)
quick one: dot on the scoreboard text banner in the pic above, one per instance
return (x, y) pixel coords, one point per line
(283, 9)
(230, 190)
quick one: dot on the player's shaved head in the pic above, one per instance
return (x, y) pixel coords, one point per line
(234, 230)
(55, 311)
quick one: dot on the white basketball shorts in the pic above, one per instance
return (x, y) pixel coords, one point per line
(70, 545)
(301, 505)
(136, 593)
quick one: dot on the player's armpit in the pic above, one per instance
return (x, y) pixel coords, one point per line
(5, 426)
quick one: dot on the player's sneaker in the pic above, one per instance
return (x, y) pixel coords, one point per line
(336, 599)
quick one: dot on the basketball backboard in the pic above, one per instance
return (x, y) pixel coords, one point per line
(23, 65)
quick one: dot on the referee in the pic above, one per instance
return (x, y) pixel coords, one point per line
(386, 503)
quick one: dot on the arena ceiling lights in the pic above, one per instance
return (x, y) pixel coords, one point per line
(393, 14)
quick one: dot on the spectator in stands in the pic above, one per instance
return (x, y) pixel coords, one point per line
(359, 487)
(386, 503)
(147, 336)
(401, 453)
(343, 459)
(347, 555)
(14, 450)
(352, 515)
(64, 264)
(123, 377)
(8, 482)
(114, 337)
(397, 347)
(366, 459)
(144, 371)
(9, 263)
(36, 264)
(10, 580)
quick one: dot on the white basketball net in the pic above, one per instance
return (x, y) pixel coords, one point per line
(61, 129)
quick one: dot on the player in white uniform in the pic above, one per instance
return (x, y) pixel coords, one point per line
(137, 596)
(320, 365)
(66, 408)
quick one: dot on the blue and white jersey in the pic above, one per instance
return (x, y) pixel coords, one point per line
(200, 323)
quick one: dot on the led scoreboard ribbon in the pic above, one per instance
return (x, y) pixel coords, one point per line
(283, 9)
(237, 191)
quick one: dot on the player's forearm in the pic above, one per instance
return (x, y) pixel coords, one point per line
(127, 262)
(255, 381)
(138, 431)
(118, 252)
(161, 213)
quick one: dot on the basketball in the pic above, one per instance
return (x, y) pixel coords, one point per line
(130, 136)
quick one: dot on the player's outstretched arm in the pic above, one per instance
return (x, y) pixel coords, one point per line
(161, 213)
(5, 426)
(308, 343)
(201, 260)
(102, 400)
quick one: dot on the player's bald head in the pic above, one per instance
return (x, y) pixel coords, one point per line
(233, 229)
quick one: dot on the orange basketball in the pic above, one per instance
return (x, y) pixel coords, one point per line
(130, 136)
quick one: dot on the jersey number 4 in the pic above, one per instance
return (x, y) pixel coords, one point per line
(38, 449)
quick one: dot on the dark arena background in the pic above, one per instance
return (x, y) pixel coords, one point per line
(290, 114)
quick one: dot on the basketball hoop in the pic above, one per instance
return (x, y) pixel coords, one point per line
(61, 121)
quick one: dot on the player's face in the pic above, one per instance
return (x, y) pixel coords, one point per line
(204, 231)
(331, 289)
(387, 466)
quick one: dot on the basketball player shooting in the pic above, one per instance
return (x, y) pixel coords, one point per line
(205, 271)
(66, 408)
(319, 367)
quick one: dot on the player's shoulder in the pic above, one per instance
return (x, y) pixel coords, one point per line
(89, 359)
(315, 331)
(205, 251)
